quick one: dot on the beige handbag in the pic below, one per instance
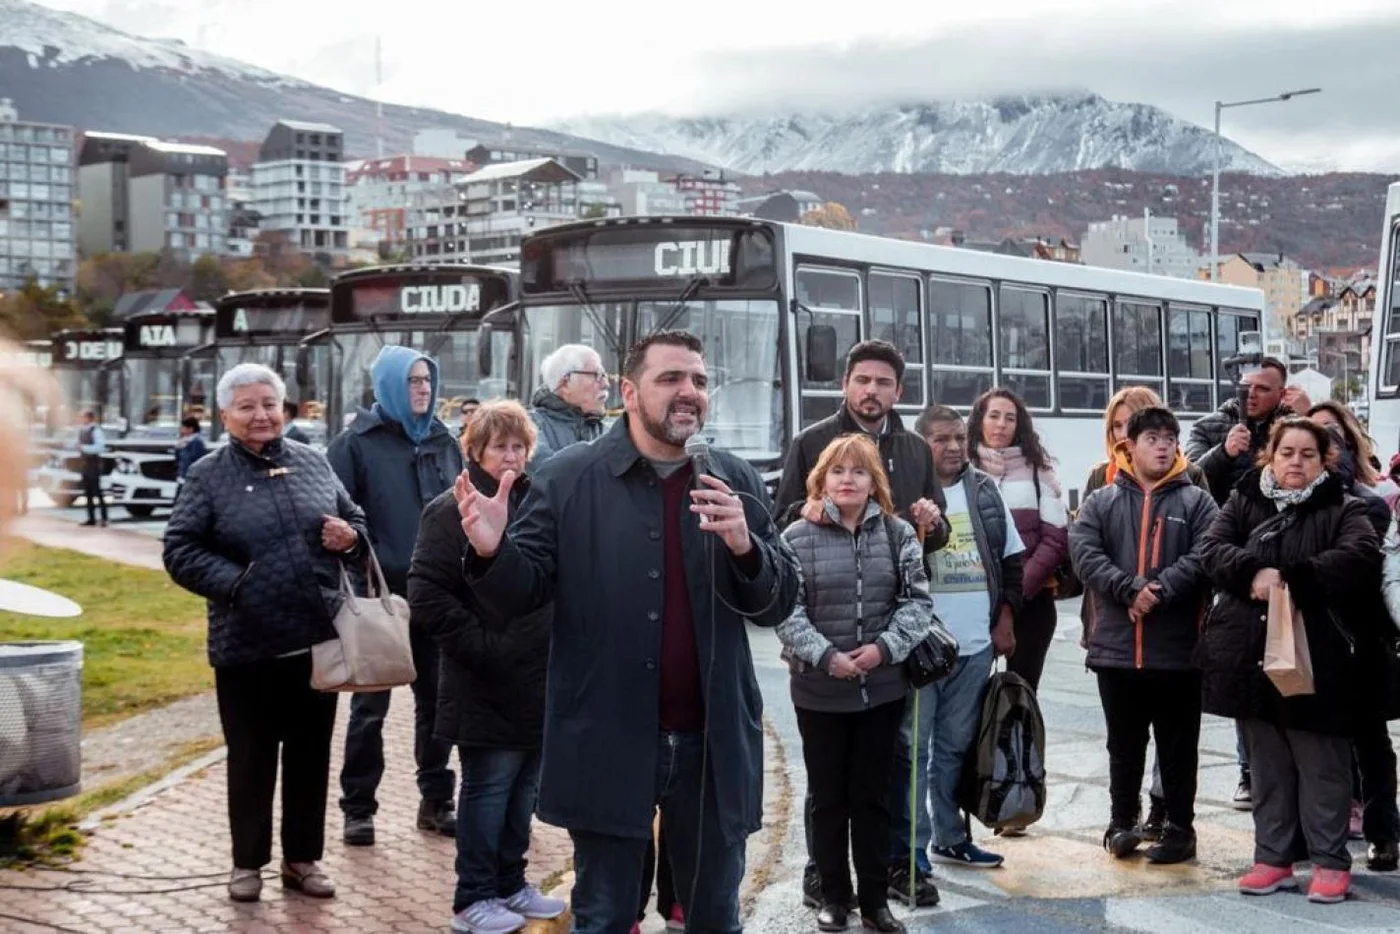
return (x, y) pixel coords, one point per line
(372, 650)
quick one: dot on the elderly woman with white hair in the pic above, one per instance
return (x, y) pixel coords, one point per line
(259, 530)
(569, 405)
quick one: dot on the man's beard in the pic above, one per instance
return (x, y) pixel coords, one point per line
(667, 433)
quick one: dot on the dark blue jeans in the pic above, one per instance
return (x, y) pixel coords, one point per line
(608, 869)
(499, 787)
(364, 738)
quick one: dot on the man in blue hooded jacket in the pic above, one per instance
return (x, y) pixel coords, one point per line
(394, 458)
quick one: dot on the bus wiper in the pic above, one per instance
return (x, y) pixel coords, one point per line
(580, 294)
(695, 284)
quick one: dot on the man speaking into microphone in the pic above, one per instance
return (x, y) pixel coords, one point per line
(651, 699)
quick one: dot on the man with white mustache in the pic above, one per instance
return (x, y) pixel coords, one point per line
(652, 699)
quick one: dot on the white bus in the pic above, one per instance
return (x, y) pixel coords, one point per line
(778, 305)
(1385, 336)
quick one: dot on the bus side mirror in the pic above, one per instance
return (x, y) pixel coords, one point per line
(484, 339)
(303, 370)
(821, 353)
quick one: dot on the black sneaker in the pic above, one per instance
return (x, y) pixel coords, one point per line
(925, 892)
(359, 831)
(1383, 856)
(1121, 841)
(438, 817)
(1244, 794)
(1177, 845)
(1151, 829)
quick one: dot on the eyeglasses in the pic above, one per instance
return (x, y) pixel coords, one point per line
(420, 381)
(598, 376)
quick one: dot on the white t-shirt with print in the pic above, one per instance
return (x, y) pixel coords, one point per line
(958, 579)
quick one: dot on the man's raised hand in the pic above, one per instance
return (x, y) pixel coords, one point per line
(484, 518)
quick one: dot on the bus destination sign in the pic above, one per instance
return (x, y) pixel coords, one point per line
(287, 319)
(165, 332)
(414, 295)
(637, 255)
(81, 348)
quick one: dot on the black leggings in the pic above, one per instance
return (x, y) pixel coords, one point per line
(1035, 630)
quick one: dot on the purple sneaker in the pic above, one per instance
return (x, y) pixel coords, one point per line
(488, 916)
(529, 903)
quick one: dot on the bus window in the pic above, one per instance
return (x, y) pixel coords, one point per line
(1081, 352)
(1228, 326)
(960, 341)
(833, 298)
(1024, 344)
(1389, 302)
(1188, 359)
(895, 317)
(1137, 345)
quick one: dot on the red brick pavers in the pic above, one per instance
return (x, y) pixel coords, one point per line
(403, 883)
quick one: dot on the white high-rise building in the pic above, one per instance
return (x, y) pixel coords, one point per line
(299, 189)
(1136, 244)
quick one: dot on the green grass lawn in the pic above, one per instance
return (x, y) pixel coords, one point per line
(143, 637)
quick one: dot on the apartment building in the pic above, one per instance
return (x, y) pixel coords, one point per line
(36, 202)
(641, 192)
(483, 217)
(485, 153)
(710, 194)
(298, 187)
(1283, 281)
(379, 191)
(1135, 244)
(143, 194)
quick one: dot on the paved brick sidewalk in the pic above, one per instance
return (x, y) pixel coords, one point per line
(404, 883)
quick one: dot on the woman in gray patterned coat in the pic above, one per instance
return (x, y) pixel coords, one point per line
(863, 606)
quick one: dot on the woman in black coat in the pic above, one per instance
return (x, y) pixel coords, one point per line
(1290, 522)
(492, 688)
(260, 530)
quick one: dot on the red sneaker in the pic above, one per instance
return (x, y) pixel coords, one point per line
(677, 920)
(1329, 886)
(1264, 879)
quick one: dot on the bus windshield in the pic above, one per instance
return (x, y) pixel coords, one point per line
(455, 352)
(741, 354)
(152, 395)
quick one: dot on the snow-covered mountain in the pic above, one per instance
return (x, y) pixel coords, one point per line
(64, 68)
(1020, 135)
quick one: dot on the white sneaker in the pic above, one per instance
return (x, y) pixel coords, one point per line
(489, 916)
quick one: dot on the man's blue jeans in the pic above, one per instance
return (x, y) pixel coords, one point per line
(608, 869)
(499, 787)
(949, 712)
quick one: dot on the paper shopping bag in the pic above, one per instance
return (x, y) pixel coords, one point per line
(1286, 658)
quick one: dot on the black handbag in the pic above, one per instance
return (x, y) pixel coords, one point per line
(934, 658)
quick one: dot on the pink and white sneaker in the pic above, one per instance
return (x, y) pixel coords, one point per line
(1264, 879)
(1329, 886)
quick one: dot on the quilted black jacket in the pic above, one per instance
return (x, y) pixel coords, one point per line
(491, 690)
(245, 534)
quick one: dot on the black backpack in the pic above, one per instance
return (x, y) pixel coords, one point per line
(937, 655)
(1003, 781)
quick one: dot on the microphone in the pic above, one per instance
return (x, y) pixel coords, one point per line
(1242, 398)
(698, 450)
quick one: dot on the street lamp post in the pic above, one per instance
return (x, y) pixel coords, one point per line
(1215, 183)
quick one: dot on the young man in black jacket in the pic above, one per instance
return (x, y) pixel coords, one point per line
(1136, 544)
(872, 385)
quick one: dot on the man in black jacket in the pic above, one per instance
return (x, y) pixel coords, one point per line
(873, 383)
(652, 698)
(1136, 545)
(393, 459)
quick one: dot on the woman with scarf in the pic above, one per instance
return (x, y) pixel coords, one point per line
(1003, 443)
(1290, 522)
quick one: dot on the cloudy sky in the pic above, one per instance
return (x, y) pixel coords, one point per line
(529, 63)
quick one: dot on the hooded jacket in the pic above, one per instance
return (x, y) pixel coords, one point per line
(1205, 446)
(1127, 536)
(394, 462)
(560, 425)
